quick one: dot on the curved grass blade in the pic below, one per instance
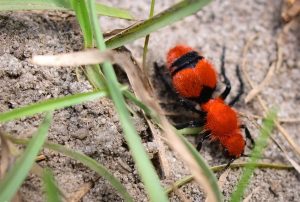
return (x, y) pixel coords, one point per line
(207, 172)
(17, 5)
(86, 160)
(145, 168)
(147, 110)
(14, 178)
(102, 9)
(171, 15)
(147, 38)
(50, 186)
(190, 131)
(189, 178)
(92, 72)
(51, 104)
(84, 22)
(256, 153)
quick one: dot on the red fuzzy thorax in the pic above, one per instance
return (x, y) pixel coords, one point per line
(190, 81)
(223, 123)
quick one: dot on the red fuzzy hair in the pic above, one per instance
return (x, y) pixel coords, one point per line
(223, 123)
(189, 82)
(176, 52)
(234, 144)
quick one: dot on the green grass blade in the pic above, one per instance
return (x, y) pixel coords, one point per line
(171, 15)
(50, 187)
(84, 22)
(86, 160)
(14, 178)
(16, 5)
(92, 72)
(189, 178)
(148, 111)
(51, 104)
(190, 131)
(256, 153)
(95, 76)
(207, 172)
(94, 165)
(144, 166)
(113, 12)
(147, 38)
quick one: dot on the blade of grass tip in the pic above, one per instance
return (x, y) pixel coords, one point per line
(256, 153)
(190, 131)
(51, 104)
(145, 168)
(209, 175)
(50, 186)
(85, 160)
(171, 15)
(14, 178)
(147, 38)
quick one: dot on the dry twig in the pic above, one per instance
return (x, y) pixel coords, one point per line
(40, 157)
(141, 87)
(281, 120)
(290, 10)
(285, 134)
(257, 89)
(81, 192)
(247, 199)
(181, 195)
(222, 180)
(294, 163)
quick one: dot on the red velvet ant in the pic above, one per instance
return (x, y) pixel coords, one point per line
(195, 78)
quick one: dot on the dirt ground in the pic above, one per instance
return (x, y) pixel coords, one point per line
(93, 127)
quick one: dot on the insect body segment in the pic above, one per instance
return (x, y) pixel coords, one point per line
(223, 124)
(193, 76)
(188, 60)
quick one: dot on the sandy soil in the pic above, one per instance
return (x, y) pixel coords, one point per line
(93, 127)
